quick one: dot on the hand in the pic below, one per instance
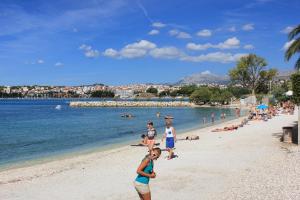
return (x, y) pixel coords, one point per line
(152, 175)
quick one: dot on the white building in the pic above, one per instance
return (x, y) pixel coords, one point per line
(124, 93)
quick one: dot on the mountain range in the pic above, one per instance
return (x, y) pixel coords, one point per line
(205, 77)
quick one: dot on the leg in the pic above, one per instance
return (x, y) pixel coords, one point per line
(146, 196)
(141, 196)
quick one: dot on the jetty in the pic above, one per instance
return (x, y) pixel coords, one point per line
(131, 104)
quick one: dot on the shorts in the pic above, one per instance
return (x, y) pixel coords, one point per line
(141, 188)
(170, 142)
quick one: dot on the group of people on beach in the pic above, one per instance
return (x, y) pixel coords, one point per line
(260, 114)
(145, 170)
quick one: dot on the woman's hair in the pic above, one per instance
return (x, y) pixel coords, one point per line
(157, 149)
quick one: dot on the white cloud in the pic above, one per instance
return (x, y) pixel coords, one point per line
(214, 57)
(153, 32)
(195, 47)
(230, 43)
(206, 72)
(40, 61)
(158, 25)
(111, 53)
(204, 33)
(166, 52)
(142, 44)
(173, 32)
(133, 53)
(248, 27)
(288, 44)
(232, 29)
(58, 64)
(183, 35)
(287, 29)
(179, 34)
(248, 46)
(89, 51)
(133, 50)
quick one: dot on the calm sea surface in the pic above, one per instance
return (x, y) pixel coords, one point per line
(34, 129)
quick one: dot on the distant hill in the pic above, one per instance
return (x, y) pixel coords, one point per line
(205, 77)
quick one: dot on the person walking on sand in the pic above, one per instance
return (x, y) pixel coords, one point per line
(170, 135)
(145, 172)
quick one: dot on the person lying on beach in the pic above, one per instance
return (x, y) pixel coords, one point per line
(226, 128)
(145, 172)
(192, 137)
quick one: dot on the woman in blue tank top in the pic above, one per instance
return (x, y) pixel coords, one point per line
(145, 172)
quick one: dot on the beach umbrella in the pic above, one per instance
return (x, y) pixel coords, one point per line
(262, 106)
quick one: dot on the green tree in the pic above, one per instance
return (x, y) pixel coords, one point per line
(296, 96)
(238, 92)
(266, 77)
(201, 95)
(294, 37)
(152, 90)
(164, 93)
(248, 71)
(187, 90)
(102, 94)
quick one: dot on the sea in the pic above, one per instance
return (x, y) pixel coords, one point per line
(40, 129)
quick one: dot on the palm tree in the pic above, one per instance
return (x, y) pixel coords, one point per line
(295, 46)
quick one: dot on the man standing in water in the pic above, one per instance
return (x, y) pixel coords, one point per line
(212, 117)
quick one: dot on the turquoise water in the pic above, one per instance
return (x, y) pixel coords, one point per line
(34, 129)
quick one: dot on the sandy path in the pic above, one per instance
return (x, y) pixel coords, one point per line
(245, 164)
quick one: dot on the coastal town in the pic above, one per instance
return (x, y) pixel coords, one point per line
(120, 91)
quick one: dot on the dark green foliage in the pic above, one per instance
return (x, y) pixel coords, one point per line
(248, 72)
(152, 90)
(103, 94)
(294, 47)
(296, 87)
(201, 96)
(239, 92)
(187, 90)
(164, 93)
(11, 95)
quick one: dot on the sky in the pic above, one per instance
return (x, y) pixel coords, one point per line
(116, 42)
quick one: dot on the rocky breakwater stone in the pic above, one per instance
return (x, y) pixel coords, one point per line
(130, 104)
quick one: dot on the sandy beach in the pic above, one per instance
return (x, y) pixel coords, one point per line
(249, 163)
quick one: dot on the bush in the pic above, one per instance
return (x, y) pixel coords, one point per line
(152, 90)
(296, 87)
(103, 94)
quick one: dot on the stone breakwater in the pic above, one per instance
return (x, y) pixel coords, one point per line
(130, 104)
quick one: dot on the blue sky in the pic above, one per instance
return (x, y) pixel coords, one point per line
(70, 42)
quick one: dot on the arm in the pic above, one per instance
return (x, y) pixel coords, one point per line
(174, 132)
(142, 167)
(163, 137)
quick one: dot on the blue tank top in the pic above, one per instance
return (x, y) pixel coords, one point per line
(148, 169)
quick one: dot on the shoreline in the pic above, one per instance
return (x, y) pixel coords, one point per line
(223, 165)
(73, 153)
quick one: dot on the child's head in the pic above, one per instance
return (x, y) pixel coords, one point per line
(168, 123)
(150, 124)
(155, 153)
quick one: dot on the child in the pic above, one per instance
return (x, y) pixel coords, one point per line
(145, 172)
(170, 135)
(151, 133)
